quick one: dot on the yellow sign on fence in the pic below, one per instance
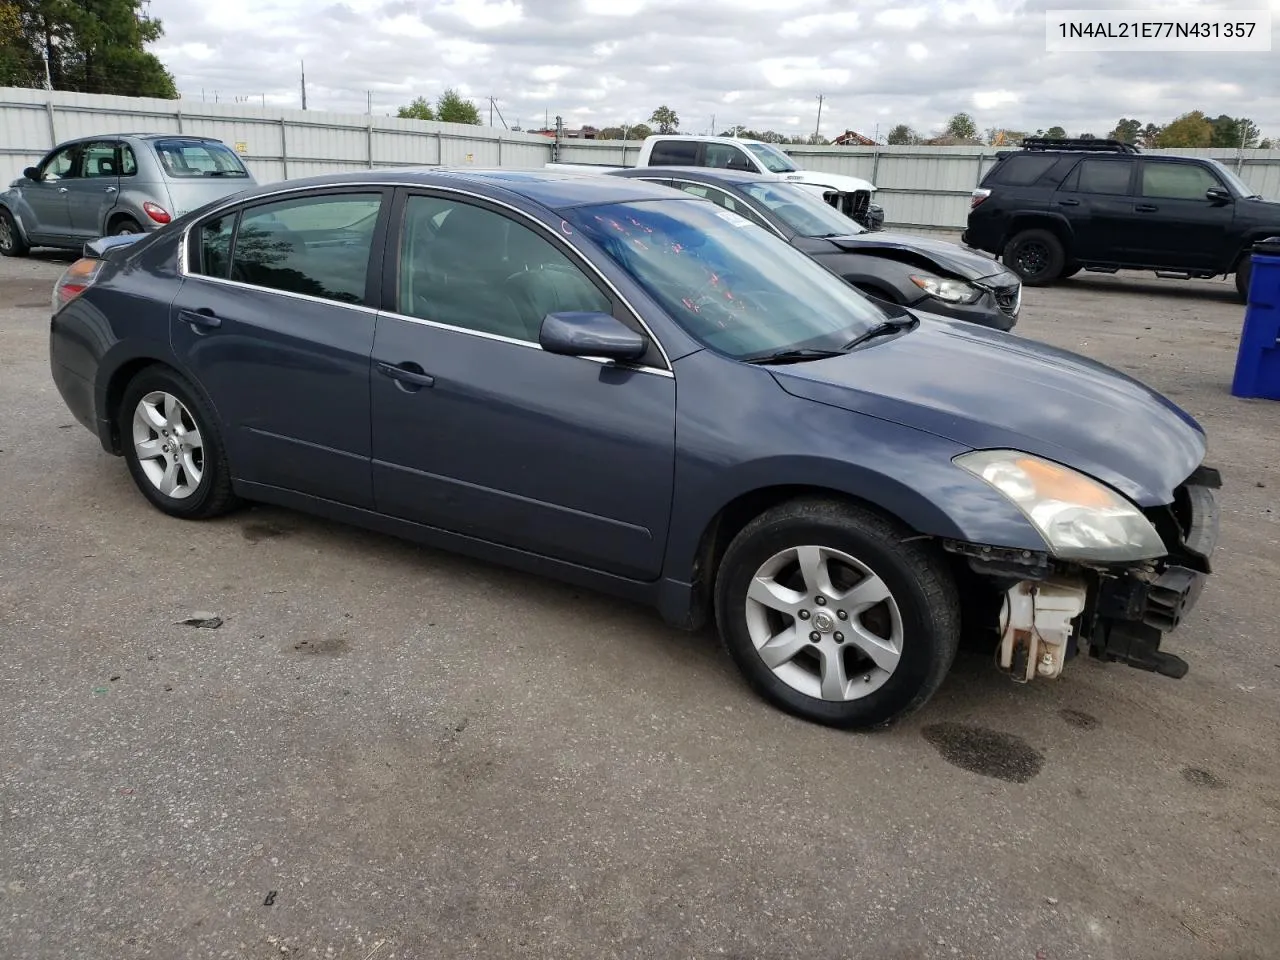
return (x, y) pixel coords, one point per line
(242, 146)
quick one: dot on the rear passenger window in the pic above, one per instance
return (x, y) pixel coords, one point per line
(725, 156)
(1023, 169)
(674, 153)
(1108, 177)
(318, 246)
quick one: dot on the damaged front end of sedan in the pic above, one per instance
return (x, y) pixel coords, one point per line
(1115, 577)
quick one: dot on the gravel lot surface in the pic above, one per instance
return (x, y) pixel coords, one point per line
(389, 752)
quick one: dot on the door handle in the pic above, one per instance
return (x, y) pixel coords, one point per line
(1068, 203)
(203, 318)
(406, 375)
(1146, 208)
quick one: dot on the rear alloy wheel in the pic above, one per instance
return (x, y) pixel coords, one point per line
(832, 614)
(1244, 270)
(125, 226)
(173, 447)
(11, 242)
(1036, 256)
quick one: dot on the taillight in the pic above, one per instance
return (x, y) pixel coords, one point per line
(978, 196)
(156, 212)
(74, 281)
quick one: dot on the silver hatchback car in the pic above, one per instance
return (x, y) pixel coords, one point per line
(125, 183)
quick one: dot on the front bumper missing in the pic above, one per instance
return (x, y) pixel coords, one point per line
(1053, 612)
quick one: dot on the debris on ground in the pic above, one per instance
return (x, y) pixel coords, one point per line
(209, 621)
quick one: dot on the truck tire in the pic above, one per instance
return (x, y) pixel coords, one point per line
(1244, 270)
(1037, 256)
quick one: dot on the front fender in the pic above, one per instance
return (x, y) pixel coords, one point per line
(738, 432)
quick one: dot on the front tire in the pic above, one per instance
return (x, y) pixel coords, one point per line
(11, 242)
(882, 607)
(1037, 256)
(173, 446)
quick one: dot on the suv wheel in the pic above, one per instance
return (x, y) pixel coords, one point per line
(1036, 256)
(836, 615)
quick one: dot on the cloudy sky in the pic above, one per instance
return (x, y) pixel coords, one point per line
(759, 63)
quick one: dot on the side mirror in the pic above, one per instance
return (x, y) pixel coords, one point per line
(590, 335)
(31, 173)
(1217, 196)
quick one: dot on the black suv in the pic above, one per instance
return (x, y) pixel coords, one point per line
(1056, 207)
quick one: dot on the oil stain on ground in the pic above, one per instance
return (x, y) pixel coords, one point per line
(1078, 718)
(986, 752)
(1203, 778)
(257, 532)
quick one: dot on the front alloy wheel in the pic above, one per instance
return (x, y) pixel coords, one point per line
(824, 623)
(836, 613)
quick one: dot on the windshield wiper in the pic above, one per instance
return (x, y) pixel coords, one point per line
(882, 329)
(794, 356)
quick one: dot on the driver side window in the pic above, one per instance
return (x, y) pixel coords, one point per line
(59, 166)
(470, 267)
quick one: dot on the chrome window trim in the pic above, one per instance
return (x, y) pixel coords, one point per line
(236, 204)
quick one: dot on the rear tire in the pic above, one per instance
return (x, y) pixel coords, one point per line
(125, 226)
(173, 446)
(1037, 256)
(883, 606)
(11, 242)
(1244, 270)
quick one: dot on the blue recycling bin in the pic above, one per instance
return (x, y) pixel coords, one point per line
(1258, 362)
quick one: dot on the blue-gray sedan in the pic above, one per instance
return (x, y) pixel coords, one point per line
(607, 382)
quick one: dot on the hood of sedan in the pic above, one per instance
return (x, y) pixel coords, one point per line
(986, 390)
(948, 258)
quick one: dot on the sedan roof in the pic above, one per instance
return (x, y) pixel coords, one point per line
(554, 190)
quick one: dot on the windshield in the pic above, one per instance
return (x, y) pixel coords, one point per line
(802, 210)
(198, 158)
(1234, 182)
(774, 160)
(735, 287)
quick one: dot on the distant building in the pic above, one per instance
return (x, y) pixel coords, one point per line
(851, 138)
(946, 141)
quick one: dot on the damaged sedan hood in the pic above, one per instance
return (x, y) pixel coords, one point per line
(948, 257)
(986, 389)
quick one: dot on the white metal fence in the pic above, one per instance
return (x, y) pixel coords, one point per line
(919, 187)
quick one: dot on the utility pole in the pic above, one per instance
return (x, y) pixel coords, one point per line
(713, 124)
(817, 126)
(303, 64)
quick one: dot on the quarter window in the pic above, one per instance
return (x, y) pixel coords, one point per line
(211, 251)
(1177, 181)
(318, 246)
(128, 162)
(474, 268)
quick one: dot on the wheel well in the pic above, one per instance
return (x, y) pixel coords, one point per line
(116, 387)
(736, 514)
(115, 218)
(1056, 227)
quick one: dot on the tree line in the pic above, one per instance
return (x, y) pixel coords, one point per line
(88, 46)
(1193, 129)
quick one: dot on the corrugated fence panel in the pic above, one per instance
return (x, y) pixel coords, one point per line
(918, 186)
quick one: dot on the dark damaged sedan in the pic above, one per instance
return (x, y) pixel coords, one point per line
(921, 272)
(604, 381)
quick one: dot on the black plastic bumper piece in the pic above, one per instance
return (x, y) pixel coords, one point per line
(1132, 615)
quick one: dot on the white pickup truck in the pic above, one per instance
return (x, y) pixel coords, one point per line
(850, 195)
